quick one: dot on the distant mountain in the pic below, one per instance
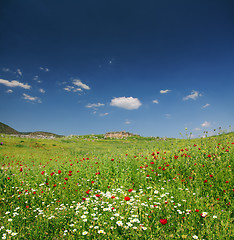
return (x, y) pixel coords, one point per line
(7, 130)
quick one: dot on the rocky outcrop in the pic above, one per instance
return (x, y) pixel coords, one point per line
(119, 135)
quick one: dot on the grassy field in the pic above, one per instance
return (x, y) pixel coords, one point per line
(136, 188)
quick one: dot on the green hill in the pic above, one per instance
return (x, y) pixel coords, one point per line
(7, 130)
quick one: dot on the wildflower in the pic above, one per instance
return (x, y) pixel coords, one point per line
(163, 221)
(127, 198)
(204, 214)
(101, 231)
(119, 223)
(195, 237)
(214, 216)
(85, 233)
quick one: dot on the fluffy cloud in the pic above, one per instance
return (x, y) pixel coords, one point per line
(45, 69)
(206, 105)
(41, 90)
(103, 114)
(194, 95)
(78, 86)
(94, 105)
(6, 69)
(78, 83)
(14, 83)
(205, 124)
(9, 91)
(197, 129)
(165, 91)
(167, 115)
(72, 88)
(127, 122)
(30, 98)
(19, 72)
(36, 78)
(128, 103)
(156, 101)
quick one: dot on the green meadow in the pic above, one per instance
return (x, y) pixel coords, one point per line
(136, 188)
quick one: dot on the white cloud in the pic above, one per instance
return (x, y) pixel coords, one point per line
(205, 124)
(197, 129)
(45, 69)
(206, 105)
(165, 91)
(167, 115)
(73, 89)
(30, 98)
(94, 105)
(78, 83)
(41, 90)
(128, 103)
(14, 83)
(194, 95)
(36, 78)
(127, 122)
(19, 72)
(6, 69)
(103, 114)
(9, 91)
(156, 101)
(68, 88)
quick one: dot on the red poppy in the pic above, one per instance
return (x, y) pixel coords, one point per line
(27, 206)
(113, 197)
(87, 191)
(54, 185)
(130, 190)
(21, 169)
(226, 182)
(65, 178)
(98, 195)
(127, 198)
(112, 159)
(59, 171)
(163, 221)
(205, 181)
(211, 175)
(196, 210)
(42, 172)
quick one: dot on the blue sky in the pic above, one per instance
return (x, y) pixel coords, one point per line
(147, 67)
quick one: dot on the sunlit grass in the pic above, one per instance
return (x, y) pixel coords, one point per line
(135, 188)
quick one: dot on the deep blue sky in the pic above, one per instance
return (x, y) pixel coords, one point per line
(148, 67)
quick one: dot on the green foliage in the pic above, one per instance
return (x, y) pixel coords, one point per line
(76, 188)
